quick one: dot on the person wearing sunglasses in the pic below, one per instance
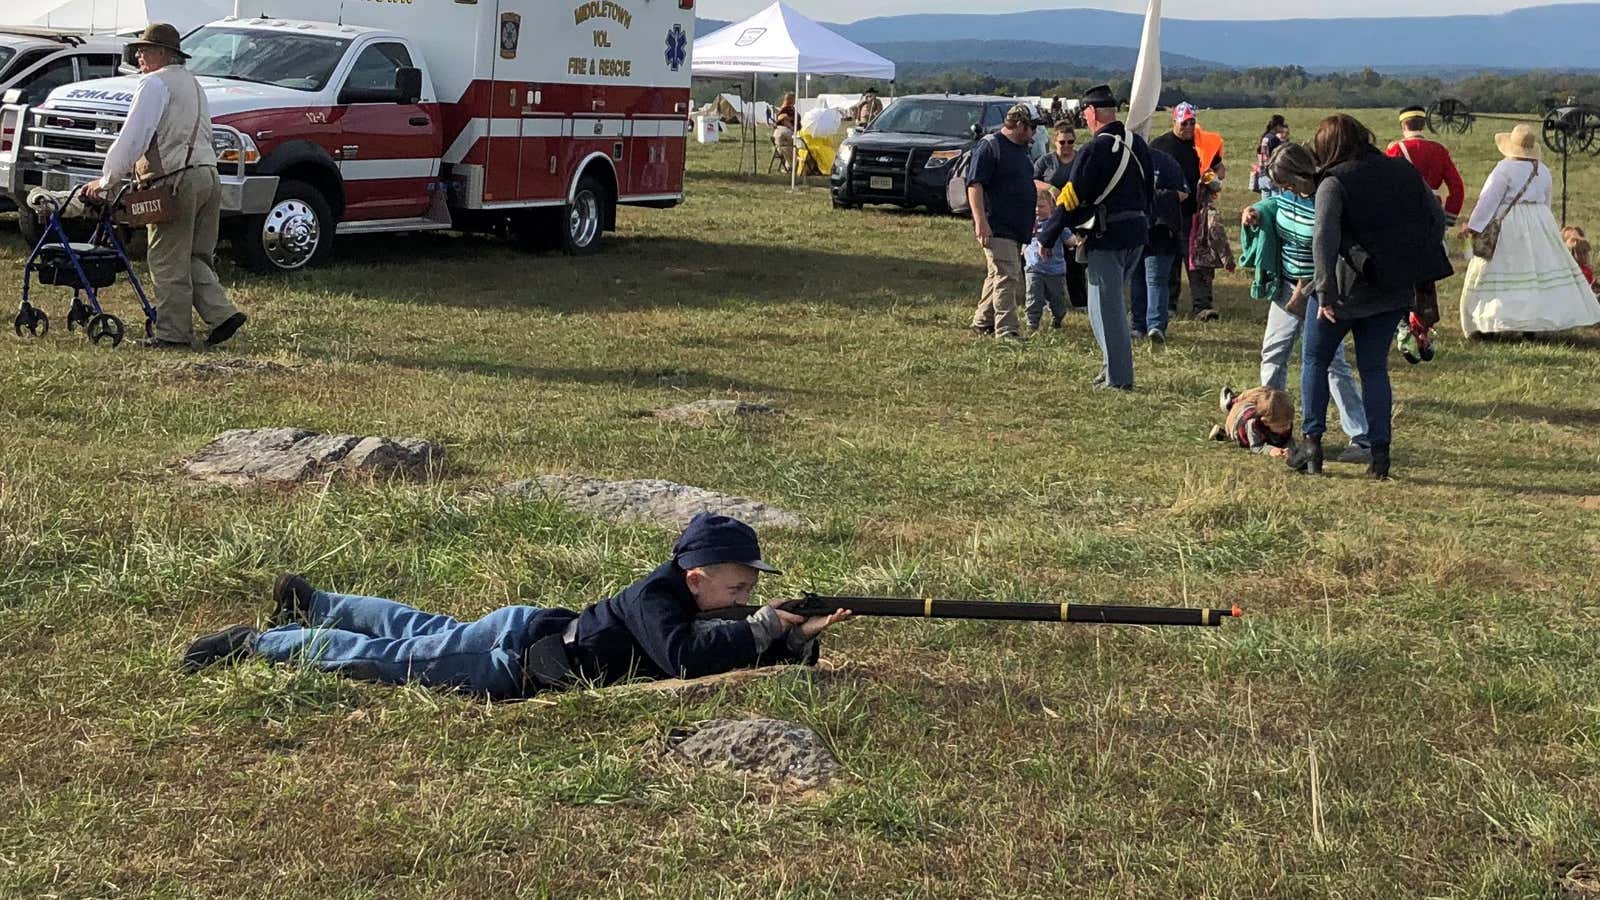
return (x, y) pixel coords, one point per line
(1053, 168)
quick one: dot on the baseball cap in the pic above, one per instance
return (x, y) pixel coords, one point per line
(711, 538)
(1183, 112)
(1022, 114)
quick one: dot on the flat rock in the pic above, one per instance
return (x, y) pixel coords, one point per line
(293, 455)
(649, 500)
(782, 752)
(707, 411)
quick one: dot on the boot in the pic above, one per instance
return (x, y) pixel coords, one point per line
(291, 600)
(1379, 467)
(1306, 457)
(226, 646)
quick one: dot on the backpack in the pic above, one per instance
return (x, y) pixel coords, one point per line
(955, 190)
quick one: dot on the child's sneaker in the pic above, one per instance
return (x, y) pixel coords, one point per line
(226, 646)
(1218, 433)
(1225, 398)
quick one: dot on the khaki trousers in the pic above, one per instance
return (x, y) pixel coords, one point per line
(1002, 288)
(180, 259)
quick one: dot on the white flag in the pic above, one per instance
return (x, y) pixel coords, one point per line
(1146, 73)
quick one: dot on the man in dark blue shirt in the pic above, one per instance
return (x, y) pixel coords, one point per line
(1002, 196)
(651, 629)
(1112, 183)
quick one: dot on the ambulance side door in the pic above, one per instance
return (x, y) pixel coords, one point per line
(389, 144)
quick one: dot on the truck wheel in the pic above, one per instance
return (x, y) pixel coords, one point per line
(296, 232)
(585, 217)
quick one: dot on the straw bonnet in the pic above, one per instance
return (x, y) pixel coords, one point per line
(1518, 143)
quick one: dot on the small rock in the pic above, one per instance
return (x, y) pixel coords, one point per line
(705, 411)
(782, 752)
(294, 455)
(649, 500)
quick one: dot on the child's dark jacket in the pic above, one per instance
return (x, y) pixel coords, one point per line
(651, 630)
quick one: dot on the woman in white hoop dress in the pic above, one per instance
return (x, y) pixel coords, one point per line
(1532, 283)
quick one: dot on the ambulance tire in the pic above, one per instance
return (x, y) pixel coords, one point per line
(585, 218)
(297, 232)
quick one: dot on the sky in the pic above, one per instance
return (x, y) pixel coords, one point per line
(851, 10)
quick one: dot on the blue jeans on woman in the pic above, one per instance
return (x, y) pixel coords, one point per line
(1372, 335)
(1277, 348)
(381, 640)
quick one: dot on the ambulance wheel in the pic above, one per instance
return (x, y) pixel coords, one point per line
(296, 232)
(33, 320)
(106, 327)
(586, 217)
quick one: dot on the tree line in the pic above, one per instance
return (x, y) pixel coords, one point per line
(1286, 87)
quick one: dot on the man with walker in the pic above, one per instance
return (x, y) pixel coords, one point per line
(166, 142)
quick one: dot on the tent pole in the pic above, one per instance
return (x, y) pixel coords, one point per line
(794, 149)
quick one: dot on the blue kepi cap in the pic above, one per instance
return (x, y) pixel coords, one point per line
(710, 538)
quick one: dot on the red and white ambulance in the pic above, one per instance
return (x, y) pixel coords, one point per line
(536, 117)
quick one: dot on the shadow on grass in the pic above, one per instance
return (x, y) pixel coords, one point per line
(631, 273)
(1576, 416)
(635, 378)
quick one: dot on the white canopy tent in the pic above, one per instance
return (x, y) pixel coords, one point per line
(113, 15)
(780, 41)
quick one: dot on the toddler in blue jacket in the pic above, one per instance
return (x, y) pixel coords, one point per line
(651, 629)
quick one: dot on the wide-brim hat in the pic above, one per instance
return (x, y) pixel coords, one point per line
(160, 34)
(1519, 143)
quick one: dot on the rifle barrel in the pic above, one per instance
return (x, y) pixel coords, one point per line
(1086, 613)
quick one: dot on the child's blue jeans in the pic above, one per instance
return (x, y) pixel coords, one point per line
(381, 640)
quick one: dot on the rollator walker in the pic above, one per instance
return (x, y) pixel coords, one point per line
(86, 267)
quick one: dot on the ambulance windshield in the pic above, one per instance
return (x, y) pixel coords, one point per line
(303, 62)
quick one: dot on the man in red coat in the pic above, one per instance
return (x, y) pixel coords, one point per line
(1431, 160)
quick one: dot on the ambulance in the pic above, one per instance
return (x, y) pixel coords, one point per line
(535, 118)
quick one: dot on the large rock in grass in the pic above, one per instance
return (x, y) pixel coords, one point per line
(294, 455)
(705, 412)
(781, 752)
(648, 500)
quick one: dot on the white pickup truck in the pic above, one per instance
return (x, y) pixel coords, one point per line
(408, 117)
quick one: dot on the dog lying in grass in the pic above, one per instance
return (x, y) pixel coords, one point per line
(1260, 420)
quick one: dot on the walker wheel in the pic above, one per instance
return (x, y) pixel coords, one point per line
(105, 326)
(33, 319)
(78, 316)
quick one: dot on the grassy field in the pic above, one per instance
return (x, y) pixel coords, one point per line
(1426, 646)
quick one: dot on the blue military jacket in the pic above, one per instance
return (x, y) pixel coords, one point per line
(1127, 207)
(651, 630)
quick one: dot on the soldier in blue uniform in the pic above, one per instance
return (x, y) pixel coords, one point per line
(651, 629)
(1111, 183)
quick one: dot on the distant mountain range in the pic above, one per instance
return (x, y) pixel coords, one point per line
(1561, 36)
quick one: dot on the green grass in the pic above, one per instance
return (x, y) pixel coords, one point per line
(1430, 641)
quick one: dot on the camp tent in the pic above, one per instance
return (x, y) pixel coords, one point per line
(113, 15)
(780, 41)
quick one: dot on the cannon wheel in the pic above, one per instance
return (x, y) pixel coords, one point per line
(1448, 115)
(1571, 129)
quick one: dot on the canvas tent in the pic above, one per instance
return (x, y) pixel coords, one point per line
(780, 41)
(113, 15)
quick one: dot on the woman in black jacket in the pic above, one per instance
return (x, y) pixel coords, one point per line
(1379, 233)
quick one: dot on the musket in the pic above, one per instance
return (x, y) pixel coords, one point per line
(810, 604)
